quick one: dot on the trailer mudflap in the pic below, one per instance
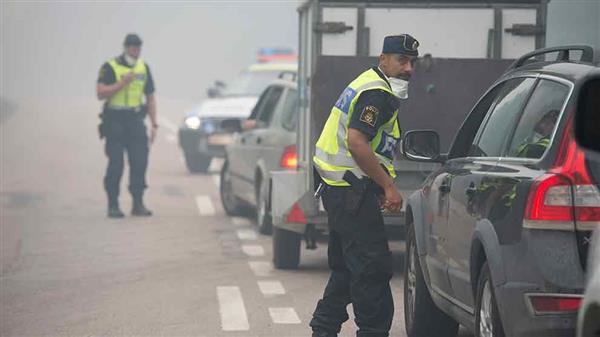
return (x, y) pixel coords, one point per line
(289, 188)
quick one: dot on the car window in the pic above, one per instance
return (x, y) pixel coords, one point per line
(268, 105)
(259, 104)
(466, 134)
(538, 121)
(493, 133)
(289, 112)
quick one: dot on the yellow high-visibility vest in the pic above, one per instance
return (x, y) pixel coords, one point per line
(523, 149)
(132, 95)
(332, 157)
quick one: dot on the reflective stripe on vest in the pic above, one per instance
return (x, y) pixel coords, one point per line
(332, 157)
(131, 96)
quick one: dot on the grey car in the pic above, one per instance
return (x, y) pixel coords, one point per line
(498, 237)
(267, 146)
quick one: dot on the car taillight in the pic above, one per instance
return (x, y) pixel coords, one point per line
(554, 304)
(566, 197)
(296, 215)
(289, 159)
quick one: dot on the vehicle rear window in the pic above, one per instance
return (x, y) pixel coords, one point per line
(538, 121)
(466, 133)
(289, 115)
(495, 131)
(268, 105)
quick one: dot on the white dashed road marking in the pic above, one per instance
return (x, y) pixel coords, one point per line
(239, 221)
(205, 205)
(216, 179)
(271, 288)
(171, 138)
(284, 316)
(261, 268)
(253, 250)
(215, 166)
(168, 124)
(232, 309)
(246, 234)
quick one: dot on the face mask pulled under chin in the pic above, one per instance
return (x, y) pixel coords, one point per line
(399, 87)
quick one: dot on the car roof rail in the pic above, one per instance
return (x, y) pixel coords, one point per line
(588, 55)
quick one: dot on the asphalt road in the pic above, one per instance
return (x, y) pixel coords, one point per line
(67, 270)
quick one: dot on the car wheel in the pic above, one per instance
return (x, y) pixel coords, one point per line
(590, 324)
(197, 162)
(286, 248)
(487, 321)
(422, 318)
(230, 202)
(263, 211)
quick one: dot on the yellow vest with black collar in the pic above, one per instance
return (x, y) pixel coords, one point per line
(132, 95)
(332, 157)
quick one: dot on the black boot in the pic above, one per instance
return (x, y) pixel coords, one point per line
(139, 209)
(113, 210)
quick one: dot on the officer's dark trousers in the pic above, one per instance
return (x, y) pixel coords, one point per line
(125, 133)
(361, 268)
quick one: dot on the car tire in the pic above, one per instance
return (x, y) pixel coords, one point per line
(286, 248)
(263, 211)
(230, 202)
(422, 318)
(197, 162)
(487, 320)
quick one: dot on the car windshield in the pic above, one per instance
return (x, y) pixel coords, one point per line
(250, 83)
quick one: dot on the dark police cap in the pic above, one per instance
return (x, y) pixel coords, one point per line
(401, 44)
(132, 40)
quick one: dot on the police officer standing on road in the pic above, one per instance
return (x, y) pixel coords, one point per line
(354, 160)
(126, 85)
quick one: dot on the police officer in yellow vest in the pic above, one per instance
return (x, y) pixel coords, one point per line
(358, 141)
(126, 85)
(538, 142)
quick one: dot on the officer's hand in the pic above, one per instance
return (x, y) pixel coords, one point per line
(128, 78)
(153, 132)
(393, 200)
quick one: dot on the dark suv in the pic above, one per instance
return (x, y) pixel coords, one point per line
(497, 237)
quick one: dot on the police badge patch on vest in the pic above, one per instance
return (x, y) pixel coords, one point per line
(369, 115)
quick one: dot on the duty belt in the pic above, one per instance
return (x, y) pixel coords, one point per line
(136, 109)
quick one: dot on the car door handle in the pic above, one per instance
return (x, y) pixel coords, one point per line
(471, 190)
(445, 187)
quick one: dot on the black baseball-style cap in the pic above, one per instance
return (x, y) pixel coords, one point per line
(132, 40)
(401, 44)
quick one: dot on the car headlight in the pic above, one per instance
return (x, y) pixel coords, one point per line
(192, 122)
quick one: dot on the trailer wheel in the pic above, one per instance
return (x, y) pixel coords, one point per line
(286, 248)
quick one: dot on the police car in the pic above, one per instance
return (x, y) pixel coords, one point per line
(201, 136)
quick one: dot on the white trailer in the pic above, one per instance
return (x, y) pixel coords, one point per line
(339, 39)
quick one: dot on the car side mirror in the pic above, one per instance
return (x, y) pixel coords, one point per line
(213, 92)
(231, 125)
(587, 115)
(421, 145)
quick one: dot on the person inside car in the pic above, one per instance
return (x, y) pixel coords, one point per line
(535, 146)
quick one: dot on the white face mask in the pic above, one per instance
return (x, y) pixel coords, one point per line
(399, 87)
(130, 60)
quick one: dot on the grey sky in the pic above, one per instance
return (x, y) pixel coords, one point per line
(56, 48)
